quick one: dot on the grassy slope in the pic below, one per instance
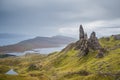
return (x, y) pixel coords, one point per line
(68, 66)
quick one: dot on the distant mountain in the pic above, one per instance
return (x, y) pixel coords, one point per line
(38, 42)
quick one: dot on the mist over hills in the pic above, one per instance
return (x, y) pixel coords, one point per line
(37, 42)
(12, 38)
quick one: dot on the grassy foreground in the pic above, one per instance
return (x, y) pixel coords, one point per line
(66, 65)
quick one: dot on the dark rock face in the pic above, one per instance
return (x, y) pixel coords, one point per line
(84, 49)
(81, 34)
(93, 42)
(84, 44)
(82, 39)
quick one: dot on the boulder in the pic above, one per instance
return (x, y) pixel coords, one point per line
(100, 53)
(116, 37)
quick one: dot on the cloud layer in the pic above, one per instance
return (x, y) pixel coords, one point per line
(51, 17)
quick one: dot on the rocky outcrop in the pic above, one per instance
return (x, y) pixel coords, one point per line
(93, 42)
(81, 32)
(85, 44)
(116, 37)
(82, 39)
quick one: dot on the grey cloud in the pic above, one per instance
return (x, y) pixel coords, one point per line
(39, 14)
(112, 27)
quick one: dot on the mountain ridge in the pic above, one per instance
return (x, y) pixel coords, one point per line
(37, 42)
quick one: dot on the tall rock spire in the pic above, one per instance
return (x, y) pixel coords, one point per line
(93, 35)
(85, 44)
(93, 42)
(81, 32)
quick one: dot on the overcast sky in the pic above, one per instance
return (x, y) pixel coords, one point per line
(59, 17)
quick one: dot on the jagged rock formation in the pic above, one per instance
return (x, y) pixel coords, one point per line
(82, 44)
(85, 44)
(81, 34)
(93, 42)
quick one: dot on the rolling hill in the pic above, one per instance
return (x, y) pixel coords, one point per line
(78, 61)
(38, 42)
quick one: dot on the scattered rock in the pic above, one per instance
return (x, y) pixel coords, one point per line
(81, 73)
(32, 67)
(116, 37)
(100, 53)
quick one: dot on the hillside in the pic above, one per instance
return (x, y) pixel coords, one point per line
(38, 42)
(78, 61)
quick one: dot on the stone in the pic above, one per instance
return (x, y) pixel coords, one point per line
(85, 44)
(82, 37)
(85, 36)
(93, 42)
(32, 67)
(93, 35)
(84, 49)
(82, 44)
(116, 37)
(81, 32)
(100, 53)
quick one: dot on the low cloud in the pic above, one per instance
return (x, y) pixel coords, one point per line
(102, 28)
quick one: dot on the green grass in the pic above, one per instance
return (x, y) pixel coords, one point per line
(66, 66)
(109, 42)
(16, 77)
(4, 69)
